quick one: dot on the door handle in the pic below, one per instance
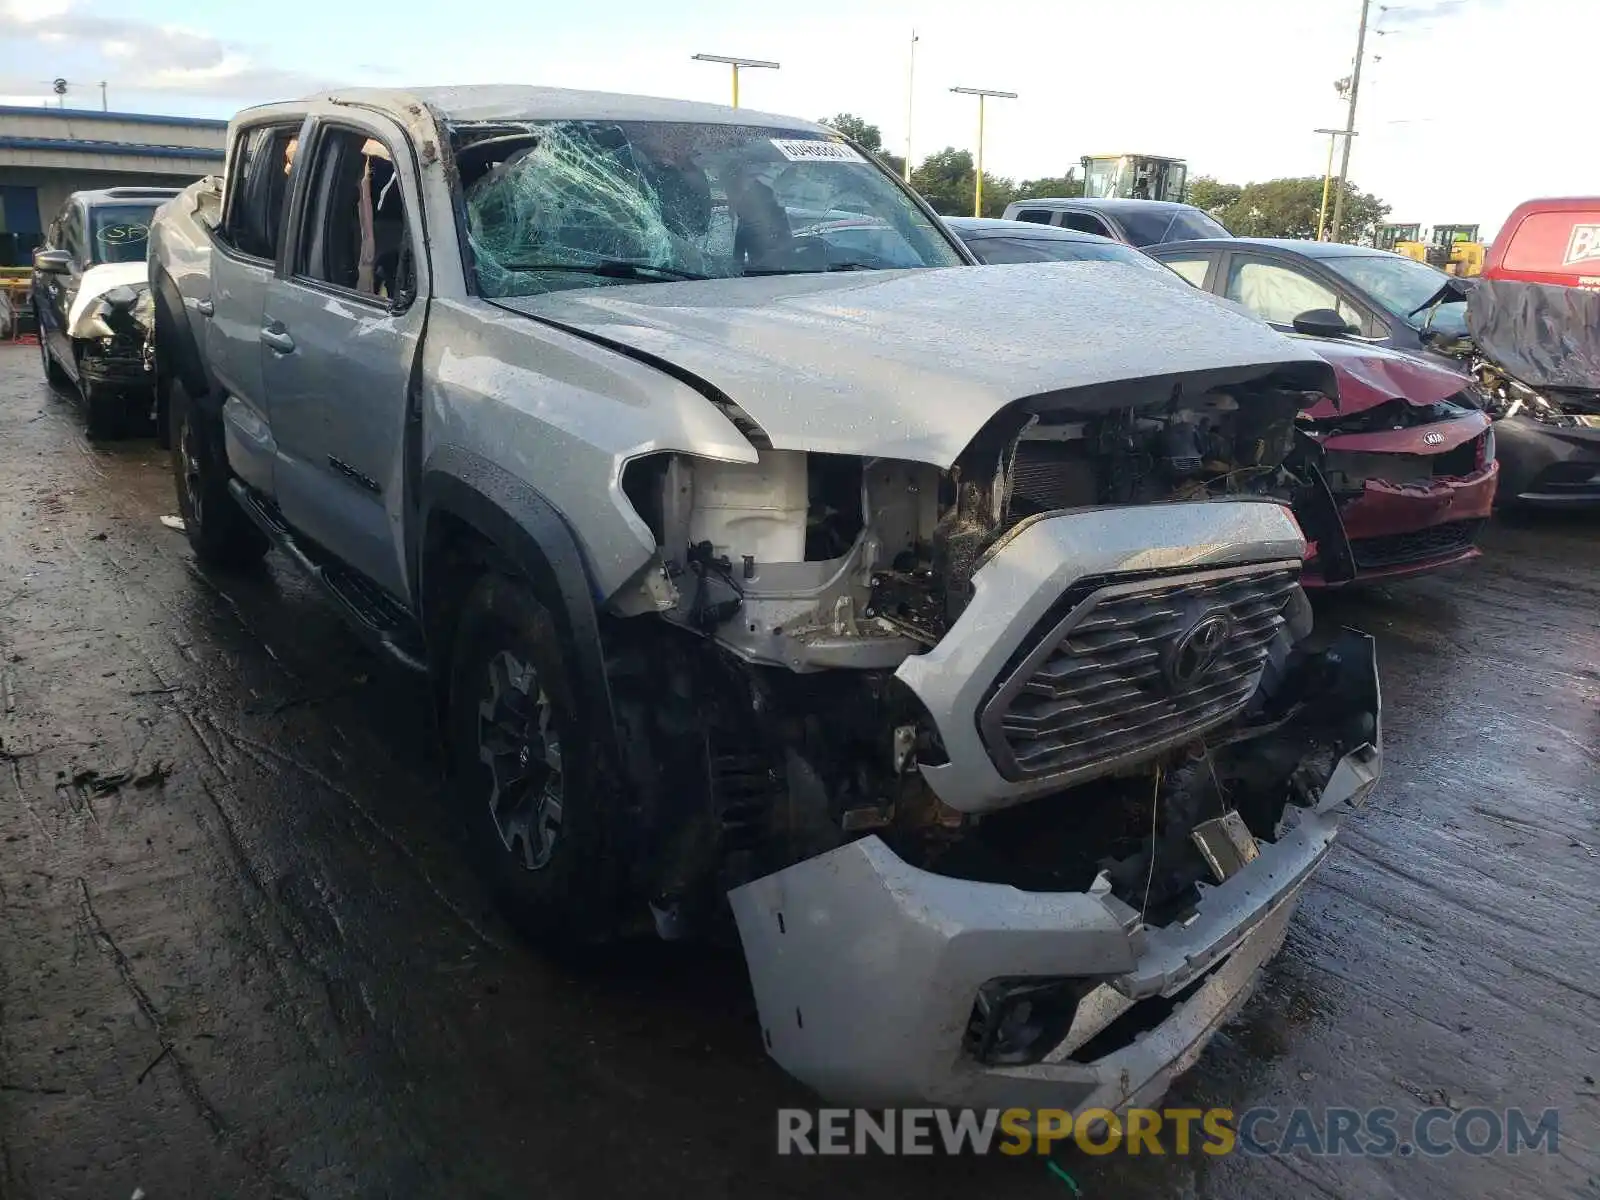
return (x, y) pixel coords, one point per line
(204, 307)
(278, 339)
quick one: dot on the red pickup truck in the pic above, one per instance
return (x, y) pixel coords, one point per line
(1549, 241)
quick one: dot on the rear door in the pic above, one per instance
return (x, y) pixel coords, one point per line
(245, 248)
(341, 326)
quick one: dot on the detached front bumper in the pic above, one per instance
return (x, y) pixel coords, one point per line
(1549, 466)
(122, 364)
(866, 970)
(1398, 529)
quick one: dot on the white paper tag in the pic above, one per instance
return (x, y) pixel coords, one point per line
(814, 150)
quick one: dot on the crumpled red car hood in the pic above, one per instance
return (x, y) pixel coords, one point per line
(1374, 375)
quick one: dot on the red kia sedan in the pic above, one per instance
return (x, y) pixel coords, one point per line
(1409, 457)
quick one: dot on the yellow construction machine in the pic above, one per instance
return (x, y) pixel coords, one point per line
(1454, 249)
(1134, 177)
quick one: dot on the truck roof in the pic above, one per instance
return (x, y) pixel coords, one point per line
(520, 102)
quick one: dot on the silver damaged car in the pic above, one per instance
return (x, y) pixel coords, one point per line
(936, 632)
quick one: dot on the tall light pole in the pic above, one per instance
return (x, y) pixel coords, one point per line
(911, 81)
(982, 94)
(1327, 178)
(736, 62)
(1350, 121)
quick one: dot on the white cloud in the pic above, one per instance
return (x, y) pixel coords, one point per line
(32, 12)
(1467, 106)
(139, 56)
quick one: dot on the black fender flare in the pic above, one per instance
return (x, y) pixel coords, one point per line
(537, 543)
(178, 354)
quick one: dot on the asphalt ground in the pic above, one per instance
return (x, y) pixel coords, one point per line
(241, 956)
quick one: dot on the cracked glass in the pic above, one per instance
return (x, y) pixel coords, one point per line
(597, 203)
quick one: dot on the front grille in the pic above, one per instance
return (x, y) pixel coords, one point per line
(1420, 545)
(1120, 677)
(1460, 460)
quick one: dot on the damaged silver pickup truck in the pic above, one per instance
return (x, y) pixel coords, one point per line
(936, 629)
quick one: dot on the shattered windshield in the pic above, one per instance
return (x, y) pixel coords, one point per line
(119, 233)
(587, 203)
(1401, 286)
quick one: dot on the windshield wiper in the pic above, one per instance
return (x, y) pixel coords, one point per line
(843, 266)
(610, 268)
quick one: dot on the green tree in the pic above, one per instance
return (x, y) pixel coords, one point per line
(1288, 208)
(868, 136)
(1058, 186)
(945, 180)
(857, 130)
(1212, 195)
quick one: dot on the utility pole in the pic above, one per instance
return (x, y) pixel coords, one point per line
(982, 94)
(911, 82)
(1350, 122)
(1327, 179)
(736, 62)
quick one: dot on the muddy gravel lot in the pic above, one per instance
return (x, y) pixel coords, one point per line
(240, 954)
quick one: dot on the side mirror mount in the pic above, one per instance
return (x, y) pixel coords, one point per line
(1322, 322)
(52, 262)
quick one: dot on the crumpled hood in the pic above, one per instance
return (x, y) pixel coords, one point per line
(1373, 375)
(96, 282)
(911, 364)
(1543, 334)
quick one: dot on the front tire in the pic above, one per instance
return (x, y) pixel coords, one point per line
(105, 411)
(539, 821)
(218, 529)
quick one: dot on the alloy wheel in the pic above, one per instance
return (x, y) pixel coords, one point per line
(189, 455)
(520, 747)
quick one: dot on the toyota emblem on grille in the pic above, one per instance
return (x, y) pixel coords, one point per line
(1197, 650)
(1434, 438)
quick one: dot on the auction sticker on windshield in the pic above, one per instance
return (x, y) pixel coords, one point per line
(810, 150)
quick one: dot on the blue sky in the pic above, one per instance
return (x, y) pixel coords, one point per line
(1468, 106)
